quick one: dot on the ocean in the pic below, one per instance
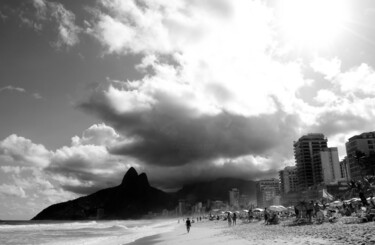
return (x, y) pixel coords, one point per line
(81, 232)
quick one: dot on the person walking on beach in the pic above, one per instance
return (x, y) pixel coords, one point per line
(309, 211)
(229, 219)
(266, 216)
(188, 225)
(316, 209)
(234, 218)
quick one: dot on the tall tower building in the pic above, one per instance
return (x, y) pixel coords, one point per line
(288, 180)
(364, 143)
(304, 149)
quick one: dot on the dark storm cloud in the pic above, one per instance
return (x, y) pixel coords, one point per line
(168, 135)
(172, 178)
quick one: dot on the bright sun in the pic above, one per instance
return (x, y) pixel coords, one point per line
(313, 23)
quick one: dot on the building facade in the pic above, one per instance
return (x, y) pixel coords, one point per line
(326, 166)
(330, 165)
(234, 197)
(363, 143)
(288, 180)
(344, 168)
(266, 190)
(304, 149)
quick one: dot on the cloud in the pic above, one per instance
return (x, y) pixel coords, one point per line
(42, 15)
(20, 90)
(67, 29)
(330, 68)
(12, 88)
(23, 152)
(37, 96)
(211, 87)
(87, 166)
(12, 190)
(359, 79)
(97, 134)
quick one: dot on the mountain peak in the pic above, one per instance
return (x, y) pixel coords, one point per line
(143, 180)
(130, 177)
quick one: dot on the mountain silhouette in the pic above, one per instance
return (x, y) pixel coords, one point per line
(132, 199)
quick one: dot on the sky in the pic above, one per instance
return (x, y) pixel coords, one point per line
(184, 90)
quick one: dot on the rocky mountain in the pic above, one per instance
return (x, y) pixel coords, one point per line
(132, 199)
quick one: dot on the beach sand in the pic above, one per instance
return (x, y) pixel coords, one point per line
(205, 232)
(211, 232)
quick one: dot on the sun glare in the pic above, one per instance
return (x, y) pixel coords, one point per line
(313, 23)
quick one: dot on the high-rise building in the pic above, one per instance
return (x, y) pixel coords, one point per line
(304, 149)
(266, 190)
(326, 166)
(288, 179)
(234, 197)
(344, 168)
(364, 143)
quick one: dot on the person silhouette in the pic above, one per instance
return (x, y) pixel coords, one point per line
(188, 225)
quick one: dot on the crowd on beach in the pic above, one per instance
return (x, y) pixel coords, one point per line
(308, 222)
(354, 210)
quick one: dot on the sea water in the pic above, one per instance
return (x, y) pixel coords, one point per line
(84, 232)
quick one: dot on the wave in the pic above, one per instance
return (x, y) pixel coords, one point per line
(85, 232)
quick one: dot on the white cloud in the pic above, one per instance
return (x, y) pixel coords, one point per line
(12, 190)
(49, 13)
(97, 134)
(329, 68)
(67, 29)
(37, 96)
(325, 96)
(24, 152)
(12, 88)
(358, 79)
(20, 90)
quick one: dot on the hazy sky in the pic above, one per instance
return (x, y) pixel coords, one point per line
(182, 90)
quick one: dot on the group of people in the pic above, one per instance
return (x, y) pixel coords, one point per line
(320, 211)
(232, 219)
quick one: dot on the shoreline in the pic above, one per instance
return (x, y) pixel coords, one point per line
(147, 240)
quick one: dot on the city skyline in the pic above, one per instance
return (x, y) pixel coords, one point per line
(182, 90)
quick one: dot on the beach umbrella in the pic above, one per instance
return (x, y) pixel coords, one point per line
(258, 210)
(335, 204)
(277, 208)
(355, 199)
(237, 212)
(245, 210)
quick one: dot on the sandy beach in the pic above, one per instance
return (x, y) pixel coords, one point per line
(209, 232)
